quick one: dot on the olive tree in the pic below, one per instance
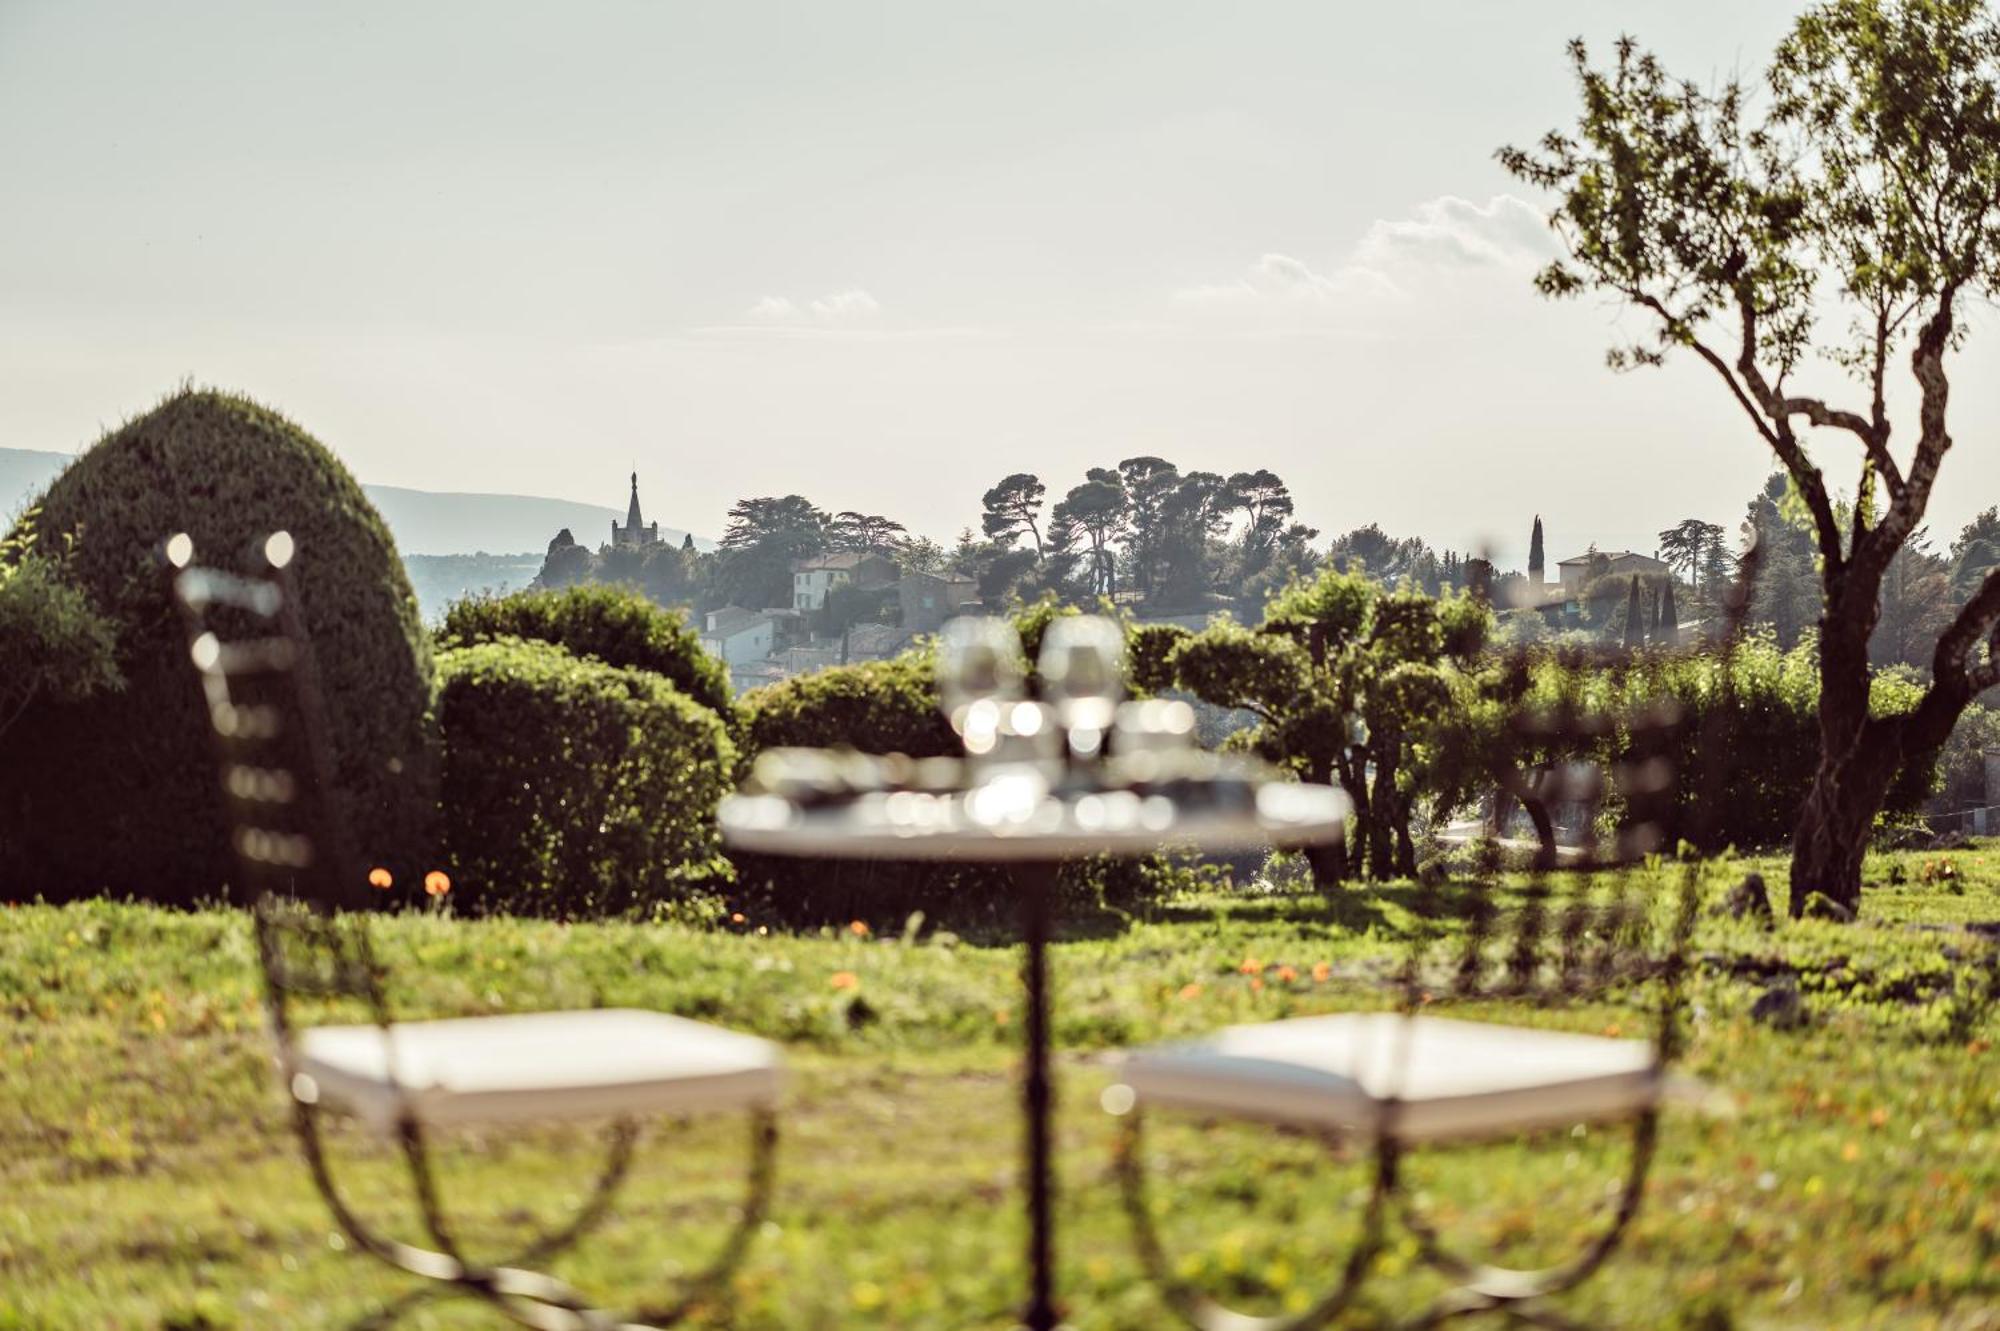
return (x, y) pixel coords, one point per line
(1355, 684)
(1852, 221)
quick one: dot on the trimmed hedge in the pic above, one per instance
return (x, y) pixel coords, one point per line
(877, 706)
(616, 625)
(575, 788)
(116, 793)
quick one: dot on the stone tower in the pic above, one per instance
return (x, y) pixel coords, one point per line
(635, 531)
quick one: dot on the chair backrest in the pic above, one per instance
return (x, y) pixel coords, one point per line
(1587, 921)
(249, 649)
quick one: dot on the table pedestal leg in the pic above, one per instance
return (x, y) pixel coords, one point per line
(1037, 885)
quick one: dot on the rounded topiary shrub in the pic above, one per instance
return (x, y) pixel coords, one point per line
(575, 788)
(117, 793)
(877, 707)
(616, 625)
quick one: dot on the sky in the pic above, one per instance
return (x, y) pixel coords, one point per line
(879, 254)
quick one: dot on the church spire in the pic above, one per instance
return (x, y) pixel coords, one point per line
(633, 523)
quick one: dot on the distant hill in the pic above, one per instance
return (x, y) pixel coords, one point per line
(24, 473)
(424, 522)
(438, 580)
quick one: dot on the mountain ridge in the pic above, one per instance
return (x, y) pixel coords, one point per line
(424, 522)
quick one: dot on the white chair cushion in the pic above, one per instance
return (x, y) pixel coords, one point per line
(1451, 1078)
(541, 1065)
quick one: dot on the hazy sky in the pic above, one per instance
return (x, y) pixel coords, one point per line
(879, 254)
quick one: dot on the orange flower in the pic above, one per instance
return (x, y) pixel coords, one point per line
(736, 917)
(437, 882)
(1256, 985)
(1286, 974)
(846, 980)
(1251, 966)
(1001, 1016)
(382, 878)
(859, 928)
(1320, 971)
(1190, 991)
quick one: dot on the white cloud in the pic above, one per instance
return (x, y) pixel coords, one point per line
(1279, 280)
(1441, 239)
(837, 310)
(1454, 232)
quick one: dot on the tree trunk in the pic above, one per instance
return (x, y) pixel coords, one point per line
(1832, 836)
(1858, 759)
(1328, 862)
(1381, 829)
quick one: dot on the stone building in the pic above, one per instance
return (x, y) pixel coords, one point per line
(635, 532)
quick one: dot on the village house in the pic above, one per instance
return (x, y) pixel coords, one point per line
(1606, 563)
(739, 636)
(928, 600)
(813, 578)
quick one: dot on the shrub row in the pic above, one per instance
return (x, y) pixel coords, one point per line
(576, 788)
(610, 624)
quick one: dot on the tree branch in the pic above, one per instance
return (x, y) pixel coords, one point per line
(1974, 621)
(1934, 439)
(1872, 434)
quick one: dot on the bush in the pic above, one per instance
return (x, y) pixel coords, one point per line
(115, 793)
(616, 625)
(54, 644)
(876, 706)
(576, 788)
(1962, 761)
(1760, 725)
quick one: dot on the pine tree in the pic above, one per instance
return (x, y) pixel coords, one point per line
(1635, 619)
(1535, 562)
(1669, 630)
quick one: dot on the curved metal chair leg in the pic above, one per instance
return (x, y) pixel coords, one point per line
(547, 1304)
(1515, 1293)
(1205, 1313)
(755, 1206)
(527, 1297)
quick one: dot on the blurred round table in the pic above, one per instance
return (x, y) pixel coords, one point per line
(1013, 820)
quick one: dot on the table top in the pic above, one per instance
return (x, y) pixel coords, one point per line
(998, 821)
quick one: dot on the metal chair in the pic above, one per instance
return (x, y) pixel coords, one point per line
(1405, 1078)
(403, 1079)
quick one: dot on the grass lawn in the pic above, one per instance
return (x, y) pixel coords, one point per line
(147, 1178)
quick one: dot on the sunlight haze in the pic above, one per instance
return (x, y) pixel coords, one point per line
(879, 255)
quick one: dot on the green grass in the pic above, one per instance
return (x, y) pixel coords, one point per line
(147, 1179)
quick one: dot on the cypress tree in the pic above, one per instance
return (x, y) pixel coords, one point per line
(1635, 618)
(1535, 563)
(1669, 628)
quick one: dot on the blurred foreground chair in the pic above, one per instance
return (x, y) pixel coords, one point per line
(403, 1079)
(1395, 1081)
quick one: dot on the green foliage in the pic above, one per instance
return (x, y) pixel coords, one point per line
(1748, 745)
(618, 627)
(1361, 685)
(1147, 649)
(875, 706)
(1962, 763)
(120, 796)
(765, 537)
(575, 788)
(53, 642)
